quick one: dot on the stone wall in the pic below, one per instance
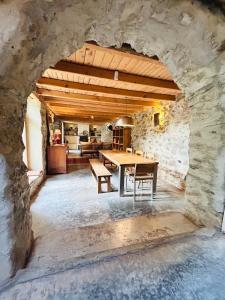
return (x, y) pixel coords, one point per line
(15, 217)
(168, 143)
(106, 134)
(206, 175)
(186, 36)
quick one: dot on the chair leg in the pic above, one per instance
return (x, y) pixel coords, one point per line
(152, 187)
(134, 190)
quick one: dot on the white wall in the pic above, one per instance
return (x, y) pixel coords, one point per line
(34, 137)
(82, 127)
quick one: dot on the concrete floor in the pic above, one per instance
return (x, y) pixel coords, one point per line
(72, 223)
(71, 200)
(59, 250)
(187, 268)
(91, 246)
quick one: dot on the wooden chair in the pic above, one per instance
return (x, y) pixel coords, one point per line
(129, 150)
(143, 172)
(148, 155)
(139, 152)
(128, 170)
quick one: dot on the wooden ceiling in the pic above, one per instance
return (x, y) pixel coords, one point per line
(97, 84)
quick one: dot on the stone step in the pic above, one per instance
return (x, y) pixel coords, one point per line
(62, 250)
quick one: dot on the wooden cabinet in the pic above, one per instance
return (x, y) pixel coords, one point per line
(56, 159)
(121, 138)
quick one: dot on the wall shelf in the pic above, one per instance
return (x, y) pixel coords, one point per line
(121, 138)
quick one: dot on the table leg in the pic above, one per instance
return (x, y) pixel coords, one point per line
(155, 178)
(99, 185)
(109, 189)
(121, 176)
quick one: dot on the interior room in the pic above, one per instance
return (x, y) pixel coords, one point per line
(112, 150)
(117, 134)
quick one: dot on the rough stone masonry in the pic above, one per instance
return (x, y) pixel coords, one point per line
(186, 35)
(168, 142)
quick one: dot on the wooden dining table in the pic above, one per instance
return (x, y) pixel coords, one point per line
(123, 160)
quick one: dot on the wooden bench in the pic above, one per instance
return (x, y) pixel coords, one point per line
(101, 174)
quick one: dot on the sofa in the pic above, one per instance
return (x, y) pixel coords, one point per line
(92, 149)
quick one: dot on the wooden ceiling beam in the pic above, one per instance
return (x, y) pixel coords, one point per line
(86, 112)
(85, 119)
(87, 116)
(99, 107)
(90, 88)
(96, 99)
(91, 103)
(89, 111)
(94, 72)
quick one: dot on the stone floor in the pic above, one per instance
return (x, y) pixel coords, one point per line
(71, 200)
(153, 252)
(187, 268)
(81, 245)
(72, 223)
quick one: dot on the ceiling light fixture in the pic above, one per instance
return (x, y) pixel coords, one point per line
(125, 121)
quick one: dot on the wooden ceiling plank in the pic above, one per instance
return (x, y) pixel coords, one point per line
(89, 56)
(98, 58)
(101, 89)
(95, 72)
(124, 53)
(80, 55)
(115, 62)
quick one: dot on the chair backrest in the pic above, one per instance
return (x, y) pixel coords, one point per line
(129, 150)
(141, 169)
(149, 155)
(107, 146)
(139, 152)
(86, 147)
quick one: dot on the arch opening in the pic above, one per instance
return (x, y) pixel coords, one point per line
(197, 71)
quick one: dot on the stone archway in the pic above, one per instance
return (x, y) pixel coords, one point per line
(186, 36)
